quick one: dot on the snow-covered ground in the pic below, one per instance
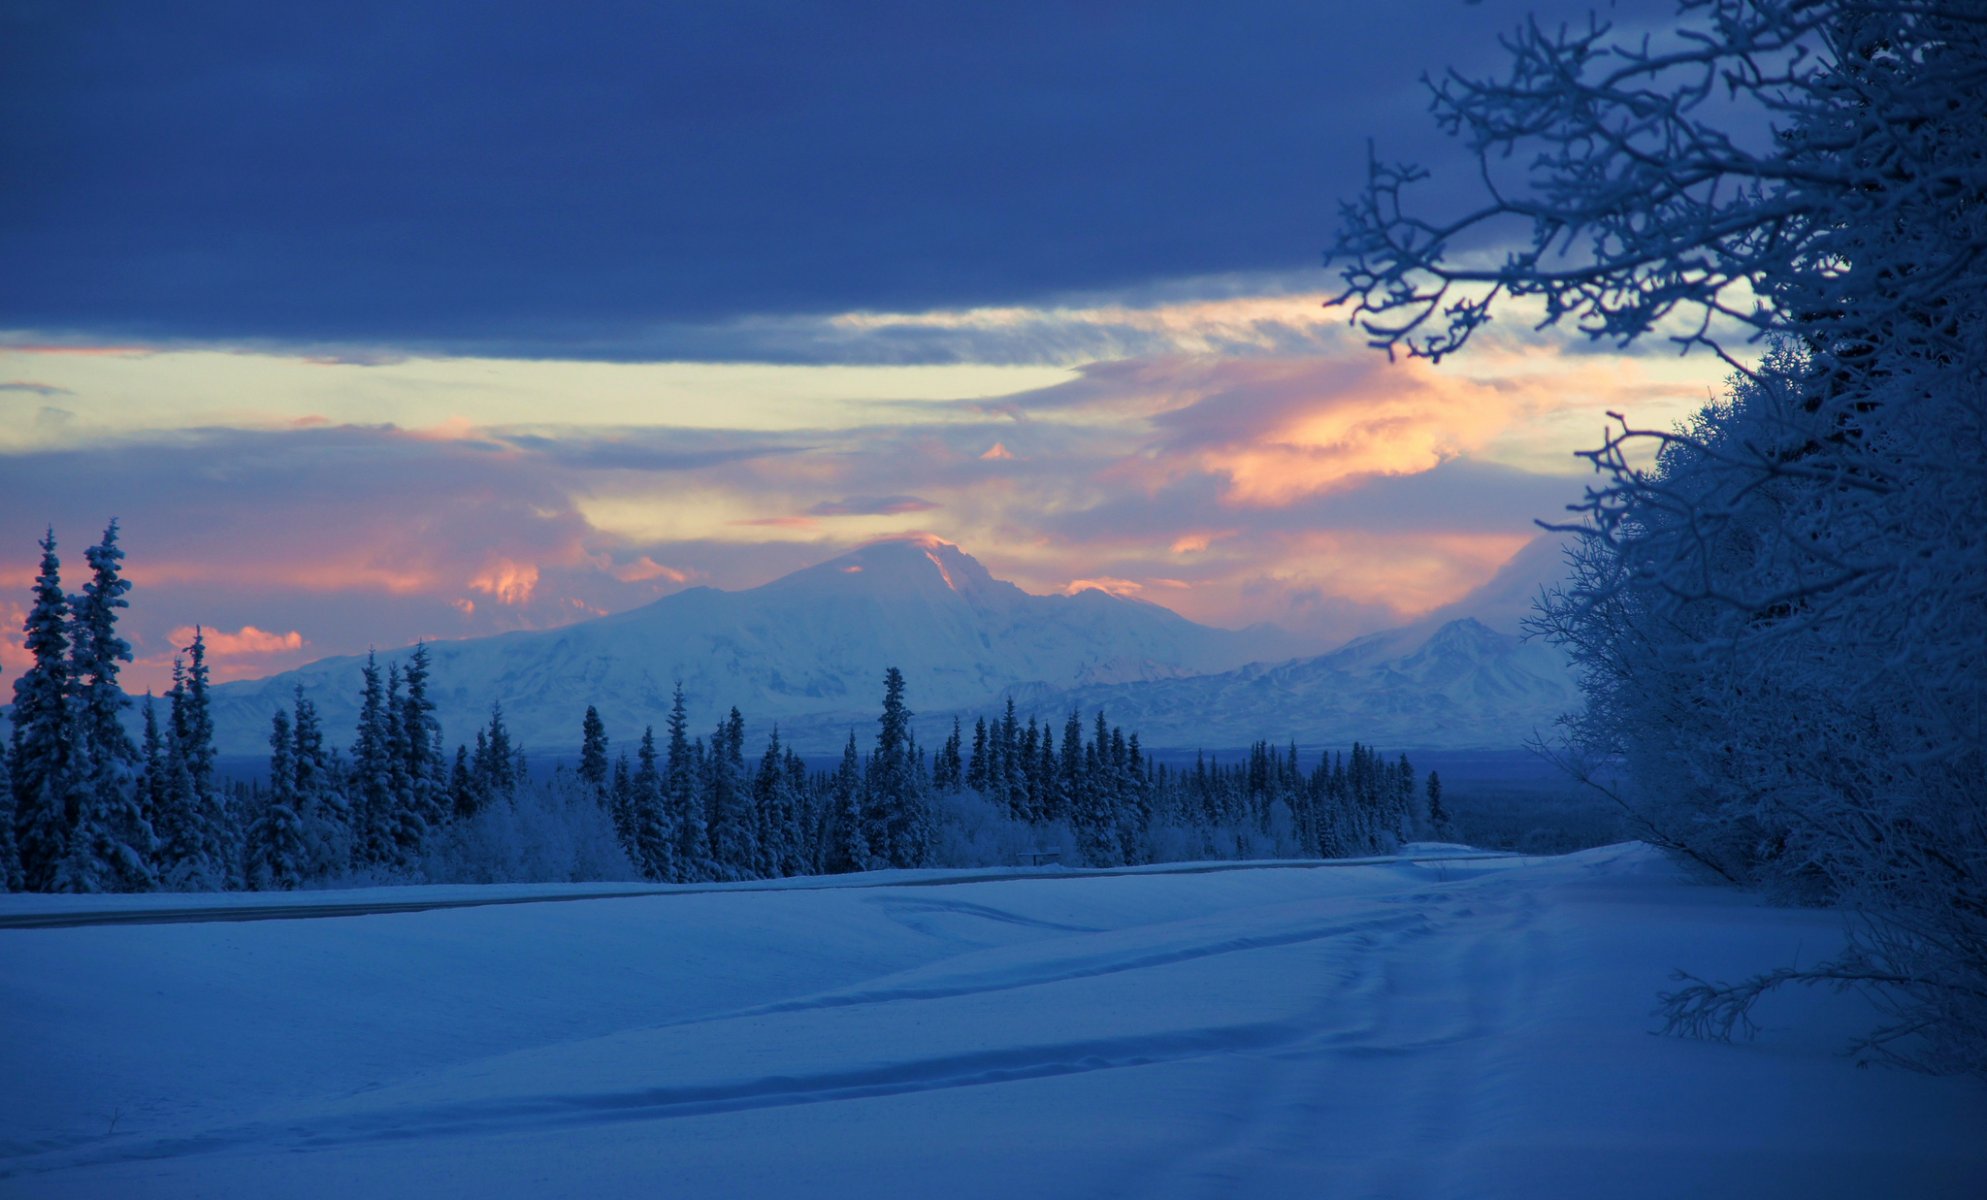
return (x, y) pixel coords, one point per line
(1439, 1029)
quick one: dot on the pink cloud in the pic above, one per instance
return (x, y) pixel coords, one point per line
(510, 582)
(248, 641)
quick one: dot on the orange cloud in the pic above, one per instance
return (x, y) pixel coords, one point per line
(1104, 583)
(510, 582)
(248, 641)
(644, 569)
(996, 452)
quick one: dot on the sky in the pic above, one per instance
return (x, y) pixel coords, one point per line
(433, 320)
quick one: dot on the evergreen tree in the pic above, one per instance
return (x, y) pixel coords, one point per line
(684, 800)
(278, 854)
(976, 767)
(113, 845)
(854, 850)
(654, 851)
(406, 824)
(373, 800)
(322, 804)
(733, 845)
(900, 818)
(44, 735)
(192, 849)
(593, 750)
(10, 858)
(421, 739)
(622, 791)
(771, 806)
(1438, 817)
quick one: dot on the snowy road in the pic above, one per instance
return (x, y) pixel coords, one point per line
(70, 912)
(1429, 1029)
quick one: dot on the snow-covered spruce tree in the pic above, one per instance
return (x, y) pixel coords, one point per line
(45, 754)
(1780, 623)
(10, 856)
(421, 736)
(899, 809)
(593, 751)
(371, 774)
(734, 844)
(322, 803)
(196, 845)
(847, 828)
(683, 800)
(278, 858)
(113, 844)
(653, 846)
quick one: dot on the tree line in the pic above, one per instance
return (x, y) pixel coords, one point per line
(93, 811)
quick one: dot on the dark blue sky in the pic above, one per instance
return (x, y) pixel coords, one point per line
(608, 179)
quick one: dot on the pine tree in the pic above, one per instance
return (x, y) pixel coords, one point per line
(732, 841)
(593, 750)
(278, 855)
(683, 799)
(1438, 817)
(622, 791)
(113, 844)
(653, 852)
(372, 801)
(10, 857)
(854, 851)
(899, 814)
(977, 775)
(192, 851)
(44, 740)
(421, 737)
(406, 827)
(322, 803)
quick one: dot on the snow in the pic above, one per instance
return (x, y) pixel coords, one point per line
(813, 644)
(1444, 1027)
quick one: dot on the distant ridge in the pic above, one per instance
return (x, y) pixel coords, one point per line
(812, 644)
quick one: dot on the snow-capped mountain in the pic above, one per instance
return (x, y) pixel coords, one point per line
(813, 643)
(1463, 686)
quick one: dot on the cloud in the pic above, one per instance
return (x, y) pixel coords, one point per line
(911, 159)
(1106, 583)
(510, 582)
(44, 390)
(870, 506)
(246, 642)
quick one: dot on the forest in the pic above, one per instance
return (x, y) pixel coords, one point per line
(93, 810)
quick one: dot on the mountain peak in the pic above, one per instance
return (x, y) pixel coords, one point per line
(916, 564)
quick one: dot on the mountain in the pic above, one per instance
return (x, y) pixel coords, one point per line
(813, 643)
(1462, 686)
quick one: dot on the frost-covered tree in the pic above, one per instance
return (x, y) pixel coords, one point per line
(278, 851)
(113, 844)
(898, 810)
(683, 799)
(196, 844)
(1438, 816)
(734, 844)
(593, 750)
(421, 742)
(654, 845)
(851, 849)
(10, 857)
(45, 757)
(1779, 622)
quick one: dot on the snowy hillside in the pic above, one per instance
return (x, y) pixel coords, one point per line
(815, 642)
(1410, 1029)
(1461, 686)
